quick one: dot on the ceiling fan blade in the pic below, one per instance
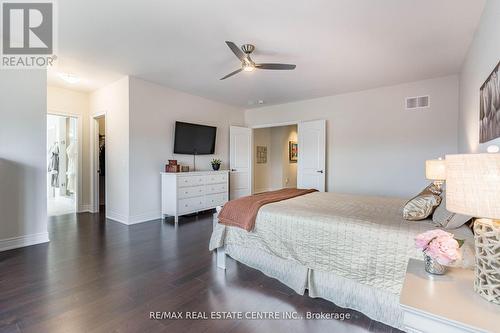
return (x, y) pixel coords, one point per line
(236, 50)
(276, 66)
(232, 73)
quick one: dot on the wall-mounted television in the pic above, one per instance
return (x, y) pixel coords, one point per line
(194, 139)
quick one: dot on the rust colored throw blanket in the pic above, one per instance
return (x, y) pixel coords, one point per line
(242, 212)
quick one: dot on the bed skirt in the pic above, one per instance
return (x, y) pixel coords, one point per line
(376, 304)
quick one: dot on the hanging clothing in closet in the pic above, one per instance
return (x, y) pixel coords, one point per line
(54, 165)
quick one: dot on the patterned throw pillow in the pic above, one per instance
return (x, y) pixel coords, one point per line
(422, 206)
(447, 219)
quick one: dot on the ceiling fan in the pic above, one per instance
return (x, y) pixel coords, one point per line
(247, 64)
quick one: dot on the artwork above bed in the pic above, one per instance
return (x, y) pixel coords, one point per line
(489, 110)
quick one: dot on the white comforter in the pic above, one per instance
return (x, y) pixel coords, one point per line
(364, 239)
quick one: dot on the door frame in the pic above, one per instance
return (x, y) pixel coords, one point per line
(79, 207)
(270, 125)
(288, 123)
(94, 159)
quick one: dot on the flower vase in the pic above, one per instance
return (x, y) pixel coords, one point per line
(432, 266)
(216, 167)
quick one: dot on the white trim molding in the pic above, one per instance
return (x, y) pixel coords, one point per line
(135, 219)
(94, 160)
(22, 241)
(286, 123)
(145, 217)
(117, 217)
(86, 208)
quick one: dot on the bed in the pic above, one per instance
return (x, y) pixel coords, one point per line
(350, 250)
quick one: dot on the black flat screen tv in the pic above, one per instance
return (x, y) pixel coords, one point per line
(194, 139)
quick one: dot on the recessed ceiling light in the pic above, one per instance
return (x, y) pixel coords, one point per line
(69, 78)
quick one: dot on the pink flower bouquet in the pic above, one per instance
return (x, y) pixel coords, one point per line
(439, 245)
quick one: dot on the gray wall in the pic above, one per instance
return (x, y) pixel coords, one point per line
(374, 145)
(23, 163)
(153, 112)
(483, 56)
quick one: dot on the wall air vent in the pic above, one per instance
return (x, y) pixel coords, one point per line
(418, 102)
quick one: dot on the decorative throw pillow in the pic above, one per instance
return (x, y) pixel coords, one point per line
(422, 206)
(447, 219)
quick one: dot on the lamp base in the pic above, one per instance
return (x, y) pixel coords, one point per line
(487, 270)
(439, 185)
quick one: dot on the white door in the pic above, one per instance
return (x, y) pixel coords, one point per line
(240, 162)
(311, 169)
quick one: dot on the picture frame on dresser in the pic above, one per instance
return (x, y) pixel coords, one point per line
(191, 192)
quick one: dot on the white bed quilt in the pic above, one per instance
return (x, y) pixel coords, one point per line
(361, 238)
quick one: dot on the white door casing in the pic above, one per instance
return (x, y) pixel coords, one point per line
(311, 171)
(94, 144)
(240, 162)
(80, 208)
(63, 161)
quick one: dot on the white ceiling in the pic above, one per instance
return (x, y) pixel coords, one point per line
(338, 45)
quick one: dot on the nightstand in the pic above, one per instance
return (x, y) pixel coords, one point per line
(445, 303)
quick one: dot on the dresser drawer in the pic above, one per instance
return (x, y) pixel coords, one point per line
(189, 192)
(191, 204)
(216, 199)
(191, 181)
(218, 178)
(216, 188)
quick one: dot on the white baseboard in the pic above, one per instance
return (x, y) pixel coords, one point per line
(132, 219)
(22, 241)
(86, 209)
(146, 217)
(112, 215)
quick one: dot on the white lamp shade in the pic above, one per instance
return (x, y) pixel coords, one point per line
(435, 169)
(473, 185)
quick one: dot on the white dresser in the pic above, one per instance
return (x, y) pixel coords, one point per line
(190, 192)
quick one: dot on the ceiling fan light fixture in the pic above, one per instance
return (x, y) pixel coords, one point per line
(248, 67)
(247, 64)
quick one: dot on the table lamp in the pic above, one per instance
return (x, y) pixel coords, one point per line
(473, 188)
(436, 170)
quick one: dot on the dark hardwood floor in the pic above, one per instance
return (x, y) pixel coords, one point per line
(102, 276)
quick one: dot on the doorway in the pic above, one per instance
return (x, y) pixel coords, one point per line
(99, 195)
(62, 162)
(275, 158)
(310, 152)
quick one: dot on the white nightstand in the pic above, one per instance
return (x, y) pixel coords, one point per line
(446, 303)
